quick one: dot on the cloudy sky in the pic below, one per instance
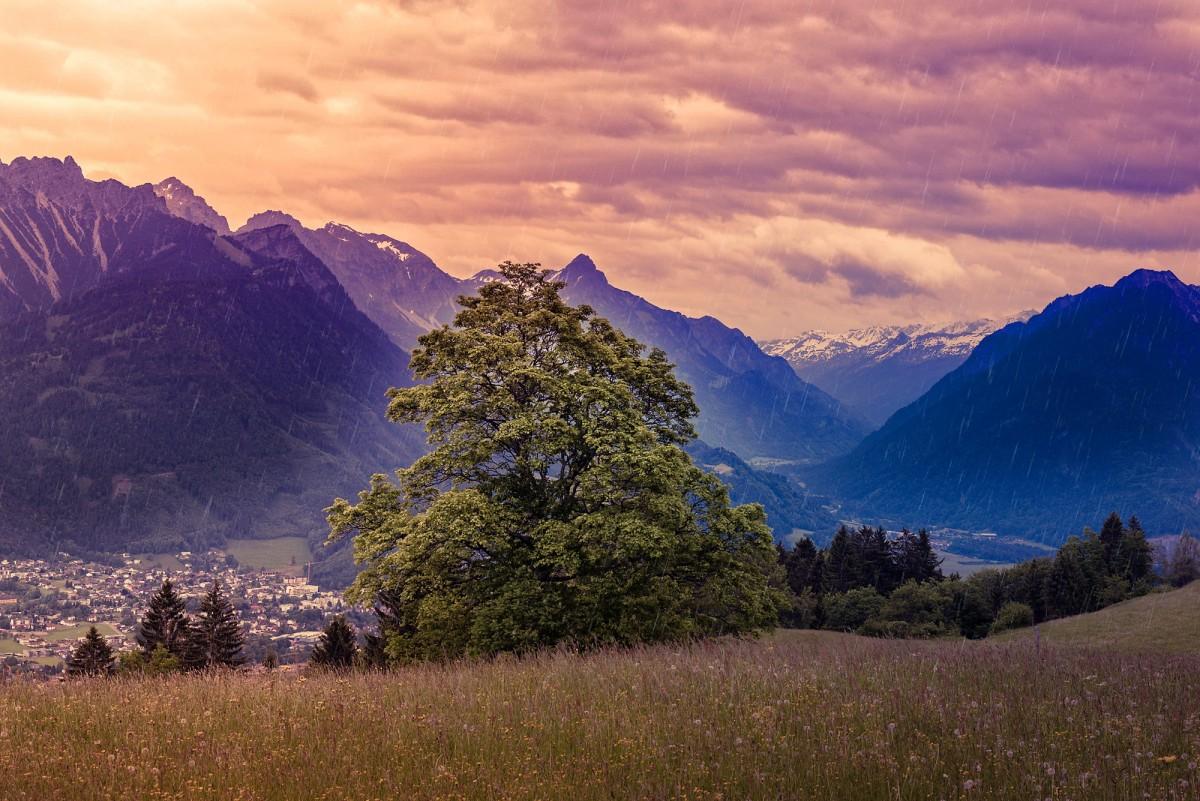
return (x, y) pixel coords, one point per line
(781, 165)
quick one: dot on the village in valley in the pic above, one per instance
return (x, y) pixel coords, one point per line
(46, 606)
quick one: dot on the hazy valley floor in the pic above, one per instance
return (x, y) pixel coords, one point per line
(792, 716)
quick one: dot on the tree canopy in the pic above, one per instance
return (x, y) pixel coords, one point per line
(165, 622)
(93, 656)
(215, 638)
(555, 503)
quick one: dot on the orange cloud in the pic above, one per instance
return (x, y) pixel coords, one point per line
(781, 168)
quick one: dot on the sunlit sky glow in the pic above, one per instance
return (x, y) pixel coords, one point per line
(781, 165)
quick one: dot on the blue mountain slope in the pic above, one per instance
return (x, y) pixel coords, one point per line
(1089, 407)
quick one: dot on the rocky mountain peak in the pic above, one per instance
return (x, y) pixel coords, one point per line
(182, 201)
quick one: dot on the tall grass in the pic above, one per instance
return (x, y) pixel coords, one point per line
(795, 716)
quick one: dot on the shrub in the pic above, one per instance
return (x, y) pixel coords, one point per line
(1012, 615)
(848, 611)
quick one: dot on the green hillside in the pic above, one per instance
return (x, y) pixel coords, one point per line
(1163, 622)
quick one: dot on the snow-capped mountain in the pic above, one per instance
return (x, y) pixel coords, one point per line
(880, 369)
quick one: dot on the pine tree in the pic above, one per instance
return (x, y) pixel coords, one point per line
(1110, 537)
(92, 657)
(872, 561)
(215, 638)
(374, 653)
(165, 623)
(799, 563)
(337, 646)
(905, 552)
(1134, 557)
(929, 564)
(836, 575)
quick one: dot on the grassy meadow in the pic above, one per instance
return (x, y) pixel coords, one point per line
(796, 715)
(1161, 622)
(77, 631)
(282, 554)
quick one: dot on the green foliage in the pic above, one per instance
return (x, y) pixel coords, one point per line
(848, 611)
(1184, 565)
(556, 503)
(131, 663)
(215, 638)
(917, 609)
(165, 623)
(159, 662)
(841, 586)
(92, 657)
(373, 655)
(337, 646)
(867, 557)
(1013, 615)
(139, 415)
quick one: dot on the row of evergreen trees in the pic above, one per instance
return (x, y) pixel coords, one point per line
(870, 582)
(169, 639)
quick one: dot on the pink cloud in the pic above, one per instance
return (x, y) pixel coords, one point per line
(720, 158)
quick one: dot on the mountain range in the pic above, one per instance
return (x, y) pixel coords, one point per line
(751, 403)
(166, 383)
(1090, 406)
(162, 386)
(880, 369)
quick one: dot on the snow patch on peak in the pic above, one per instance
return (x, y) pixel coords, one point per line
(390, 247)
(918, 341)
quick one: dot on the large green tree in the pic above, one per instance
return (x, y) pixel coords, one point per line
(556, 503)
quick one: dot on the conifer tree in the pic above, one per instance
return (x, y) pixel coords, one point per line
(165, 623)
(215, 638)
(1134, 557)
(836, 575)
(337, 646)
(799, 563)
(374, 653)
(92, 657)
(1111, 534)
(929, 564)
